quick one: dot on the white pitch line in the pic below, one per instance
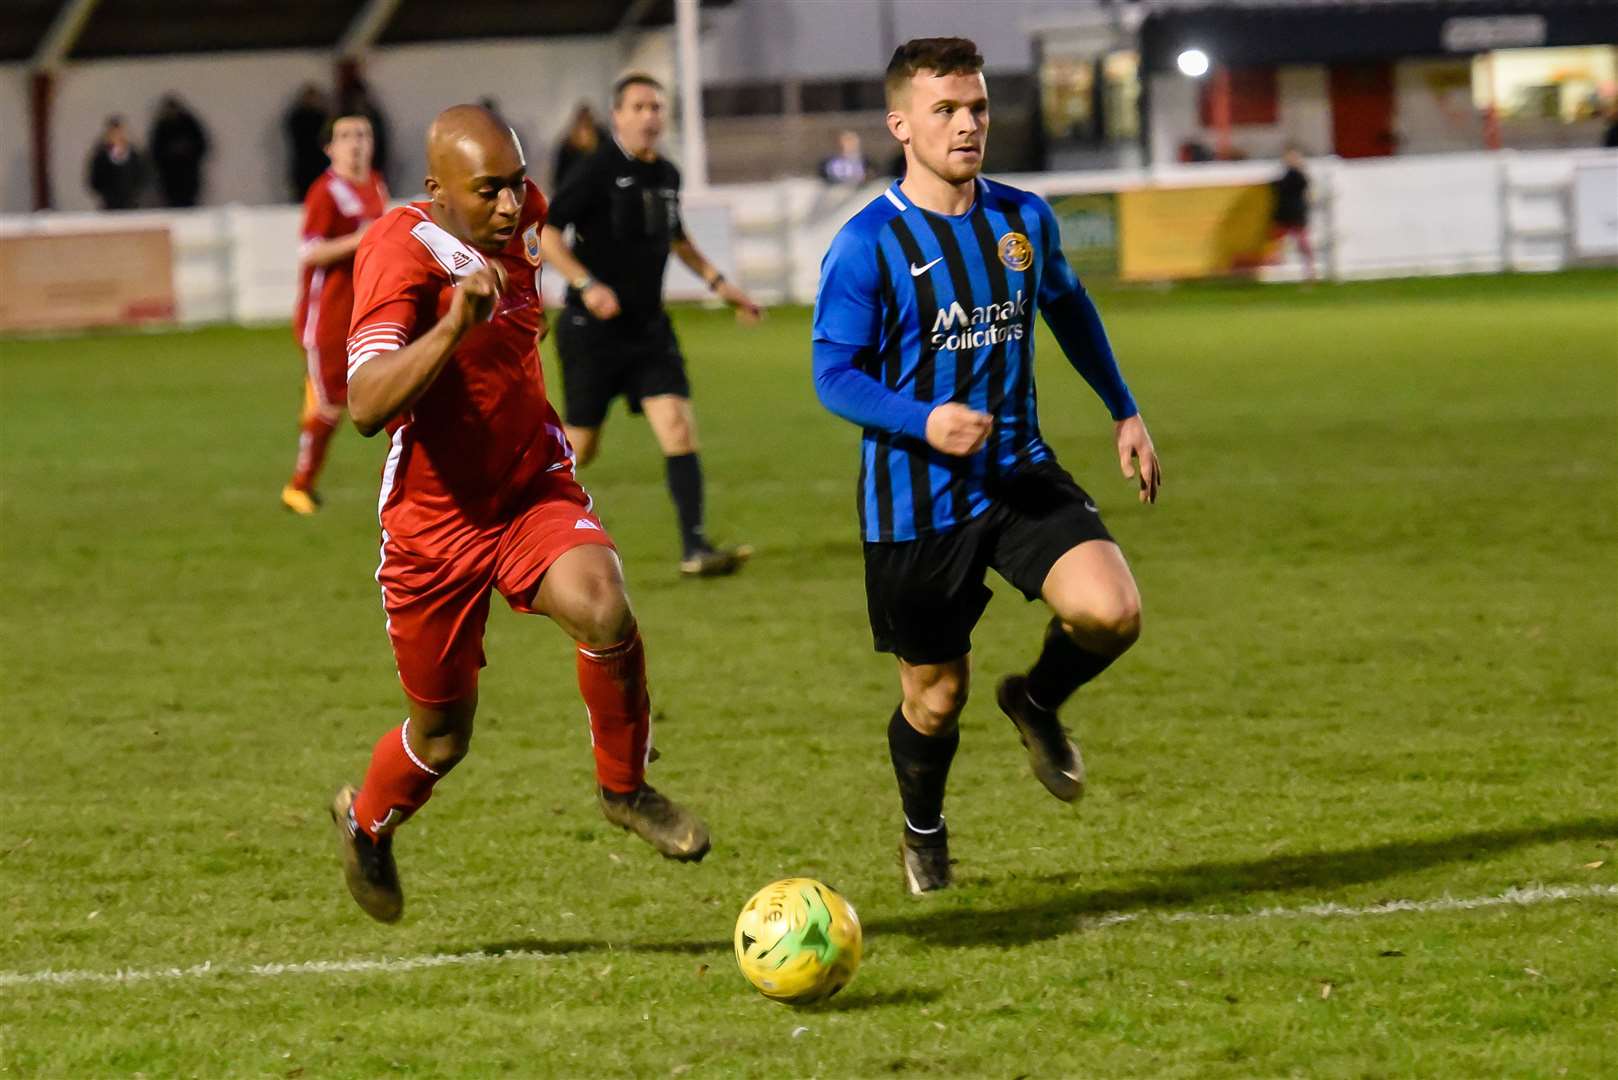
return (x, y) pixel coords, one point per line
(391, 965)
(1513, 897)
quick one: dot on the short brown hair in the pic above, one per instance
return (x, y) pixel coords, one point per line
(939, 55)
(328, 130)
(634, 78)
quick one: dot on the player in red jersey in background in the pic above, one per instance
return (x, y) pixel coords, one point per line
(341, 204)
(478, 493)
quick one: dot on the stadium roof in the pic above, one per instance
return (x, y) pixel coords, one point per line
(158, 27)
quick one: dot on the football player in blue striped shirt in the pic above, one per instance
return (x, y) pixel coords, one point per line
(924, 337)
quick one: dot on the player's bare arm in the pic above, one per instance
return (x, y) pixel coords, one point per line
(327, 252)
(391, 382)
(1135, 445)
(718, 284)
(601, 301)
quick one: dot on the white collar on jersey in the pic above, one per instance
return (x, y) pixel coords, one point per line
(896, 197)
(457, 259)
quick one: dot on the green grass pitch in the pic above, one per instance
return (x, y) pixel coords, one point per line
(1380, 663)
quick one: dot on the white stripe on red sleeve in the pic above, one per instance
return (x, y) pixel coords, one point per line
(355, 362)
(366, 337)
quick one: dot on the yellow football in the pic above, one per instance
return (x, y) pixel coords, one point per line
(798, 941)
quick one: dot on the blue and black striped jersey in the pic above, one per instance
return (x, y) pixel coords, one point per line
(940, 309)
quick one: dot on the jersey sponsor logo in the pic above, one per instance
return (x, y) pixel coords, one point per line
(1016, 252)
(917, 271)
(955, 327)
(530, 243)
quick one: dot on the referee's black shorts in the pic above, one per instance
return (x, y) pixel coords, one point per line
(926, 595)
(603, 359)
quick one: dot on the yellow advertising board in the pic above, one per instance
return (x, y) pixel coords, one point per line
(70, 281)
(1167, 233)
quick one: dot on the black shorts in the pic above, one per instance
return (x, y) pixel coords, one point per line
(926, 595)
(601, 360)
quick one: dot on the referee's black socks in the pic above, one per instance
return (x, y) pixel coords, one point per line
(921, 764)
(1061, 669)
(685, 488)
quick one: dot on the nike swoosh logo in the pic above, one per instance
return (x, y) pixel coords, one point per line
(917, 271)
(1090, 506)
(625, 181)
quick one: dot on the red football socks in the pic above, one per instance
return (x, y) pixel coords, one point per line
(613, 684)
(312, 442)
(396, 785)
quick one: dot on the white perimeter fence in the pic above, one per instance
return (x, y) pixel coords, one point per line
(1385, 217)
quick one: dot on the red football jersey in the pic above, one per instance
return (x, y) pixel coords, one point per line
(332, 209)
(470, 448)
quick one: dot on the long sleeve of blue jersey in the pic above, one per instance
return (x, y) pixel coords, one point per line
(1073, 318)
(847, 326)
(850, 393)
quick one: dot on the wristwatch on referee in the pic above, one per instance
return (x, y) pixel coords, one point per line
(714, 282)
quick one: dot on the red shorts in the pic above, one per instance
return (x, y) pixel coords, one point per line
(326, 357)
(437, 602)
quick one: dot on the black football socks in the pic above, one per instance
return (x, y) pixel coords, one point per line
(685, 488)
(1061, 669)
(921, 765)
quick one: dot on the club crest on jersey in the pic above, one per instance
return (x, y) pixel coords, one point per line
(530, 243)
(1015, 251)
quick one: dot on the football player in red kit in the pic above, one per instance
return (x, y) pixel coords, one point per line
(478, 493)
(340, 205)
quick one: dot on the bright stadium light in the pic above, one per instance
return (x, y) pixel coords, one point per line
(1193, 62)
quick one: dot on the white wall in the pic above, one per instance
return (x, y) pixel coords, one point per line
(776, 39)
(1429, 117)
(16, 173)
(1002, 29)
(1433, 111)
(1379, 217)
(241, 98)
(536, 83)
(1395, 215)
(830, 39)
(1303, 116)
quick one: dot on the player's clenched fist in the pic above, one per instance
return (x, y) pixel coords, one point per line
(477, 294)
(958, 429)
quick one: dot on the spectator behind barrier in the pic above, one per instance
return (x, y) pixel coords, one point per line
(117, 170)
(178, 142)
(305, 126)
(849, 165)
(583, 136)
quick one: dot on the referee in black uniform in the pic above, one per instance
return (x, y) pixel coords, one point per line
(614, 337)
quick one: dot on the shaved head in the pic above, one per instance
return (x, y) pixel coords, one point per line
(475, 174)
(464, 137)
